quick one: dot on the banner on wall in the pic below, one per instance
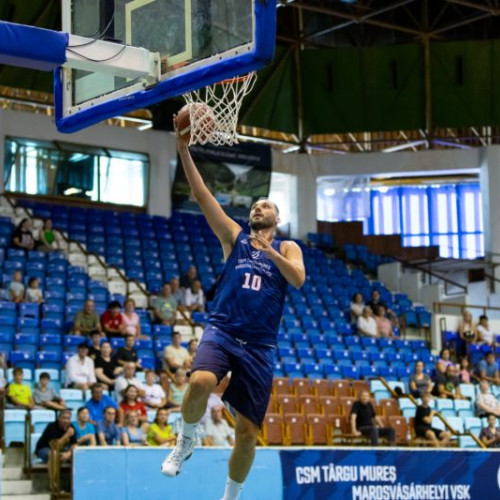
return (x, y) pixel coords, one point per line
(390, 475)
(237, 176)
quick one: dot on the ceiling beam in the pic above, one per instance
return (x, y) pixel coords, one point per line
(470, 20)
(487, 8)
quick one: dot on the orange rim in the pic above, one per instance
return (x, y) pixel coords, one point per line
(235, 79)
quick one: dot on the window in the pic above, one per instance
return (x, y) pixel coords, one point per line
(281, 192)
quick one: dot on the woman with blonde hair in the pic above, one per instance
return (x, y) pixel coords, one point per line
(132, 433)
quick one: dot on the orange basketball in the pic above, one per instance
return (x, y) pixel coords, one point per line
(203, 117)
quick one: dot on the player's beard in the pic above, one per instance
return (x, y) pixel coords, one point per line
(259, 225)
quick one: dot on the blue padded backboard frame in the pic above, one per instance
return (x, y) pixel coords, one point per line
(262, 54)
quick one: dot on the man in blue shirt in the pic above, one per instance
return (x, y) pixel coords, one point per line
(97, 403)
(107, 430)
(488, 369)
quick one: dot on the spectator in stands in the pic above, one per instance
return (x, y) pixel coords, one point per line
(165, 307)
(130, 402)
(80, 372)
(19, 394)
(16, 288)
(177, 292)
(48, 238)
(376, 301)
(154, 395)
(384, 325)
(3, 382)
(464, 371)
(192, 350)
(112, 320)
(33, 293)
(128, 378)
(447, 383)
(107, 430)
(128, 353)
(84, 430)
(194, 299)
(22, 237)
(484, 334)
(60, 430)
(159, 432)
(357, 306)
(87, 320)
(175, 356)
(131, 319)
(95, 345)
(188, 279)
(488, 369)
(213, 401)
(420, 382)
(486, 403)
(364, 422)
(466, 331)
(177, 388)
(217, 430)
(366, 323)
(490, 435)
(132, 432)
(444, 358)
(98, 403)
(46, 396)
(106, 367)
(423, 424)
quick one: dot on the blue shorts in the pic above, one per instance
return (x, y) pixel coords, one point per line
(251, 368)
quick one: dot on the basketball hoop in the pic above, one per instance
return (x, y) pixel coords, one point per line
(224, 100)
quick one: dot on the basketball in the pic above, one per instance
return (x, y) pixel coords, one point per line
(203, 117)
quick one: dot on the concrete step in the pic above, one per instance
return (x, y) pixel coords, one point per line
(12, 473)
(35, 496)
(16, 487)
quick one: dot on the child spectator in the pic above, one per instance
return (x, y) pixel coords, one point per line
(464, 372)
(384, 325)
(357, 306)
(175, 356)
(19, 394)
(80, 372)
(178, 388)
(46, 396)
(106, 367)
(486, 403)
(485, 335)
(128, 353)
(112, 320)
(131, 319)
(420, 382)
(48, 240)
(132, 433)
(60, 430)
(366, 323)
(130, 402)
(84, 430)
(447, 383)
(98, 403)
(16, 288)
(165, 307)
(159, 432)
(423, 424)
(33, 292)
(154, 395)
(490, 435)
(22, 237)
(217, 430)
(87, 320)
(194, 299)
(107, 430)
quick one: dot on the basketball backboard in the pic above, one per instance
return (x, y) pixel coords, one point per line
(193, 43)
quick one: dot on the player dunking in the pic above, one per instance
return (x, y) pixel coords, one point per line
(240, 336)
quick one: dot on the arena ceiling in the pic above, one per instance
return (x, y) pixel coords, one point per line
(320, 30)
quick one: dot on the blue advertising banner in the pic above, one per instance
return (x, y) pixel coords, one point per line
(368, 474)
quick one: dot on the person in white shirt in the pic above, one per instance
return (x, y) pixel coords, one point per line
(80, 372)
(128, 378)
(367, 324)
(487, 402)
(486, 336)
(194, 299)
(217, 430)
(357, 306)
(154, 395)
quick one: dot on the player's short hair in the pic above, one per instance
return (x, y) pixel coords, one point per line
(270, 201)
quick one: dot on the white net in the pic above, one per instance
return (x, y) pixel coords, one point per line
(216, 121)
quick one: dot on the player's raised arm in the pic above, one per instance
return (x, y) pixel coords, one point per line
(223, 226)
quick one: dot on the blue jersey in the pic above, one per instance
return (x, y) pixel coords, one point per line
(250, 294)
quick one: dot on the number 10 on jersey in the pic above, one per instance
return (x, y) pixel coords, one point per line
(252, 282)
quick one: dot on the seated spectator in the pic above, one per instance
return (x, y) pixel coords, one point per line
(367, 324)
(19, 394)
(177, 292)
(357, 306)
(128, 353)
(484, 334)
(131, 319)
(98, 403)
(60, 430)
(490, 435)
(217, 430)
(213, 401)
(190, 276)
(128, 378)
(364, 422)
(107, 430)
(46, 396)
(87, 320)
(177, 388)
(488, 369)
(112, 320)
(423, 424)
(95, 345)
(175, 356)
(22, 237)
(466, 331)
(165, 307)
(376, 301)
(444, 358)
(16, 288)
(447, 383)
(384, 325)
(48, 239)
(84, 430)
(194, 299)
(33, 292)
(130, 402)
(132, 433)
(420, 382)
(80, 372)
(154, 395)
(159, 432)
(106, 367)
(192, 350)
(486, 403)
(464, 372)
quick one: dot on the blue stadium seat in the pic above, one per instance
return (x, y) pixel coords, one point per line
(41, 418)
(23, 359)
(51, 325)
(29, 310)
(48, 359)
(14, 426)
(162, 330)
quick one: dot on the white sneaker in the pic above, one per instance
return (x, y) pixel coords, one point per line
(182, 451)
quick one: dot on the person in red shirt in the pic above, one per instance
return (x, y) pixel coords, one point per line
(112, 320)
(131, 402)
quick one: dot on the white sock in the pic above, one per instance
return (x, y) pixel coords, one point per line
(188, 430)
(233, 490)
